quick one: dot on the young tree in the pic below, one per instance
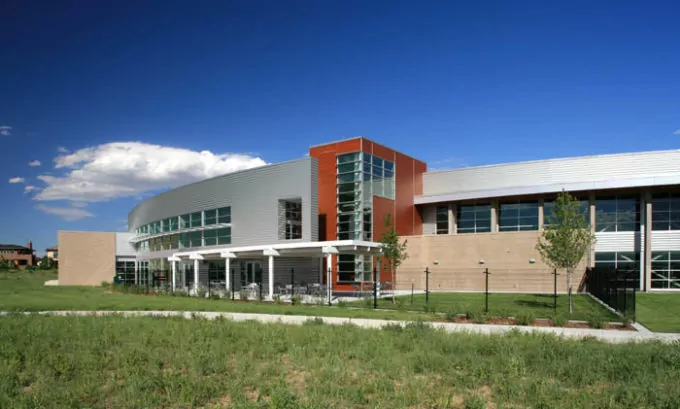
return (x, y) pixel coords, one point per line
(393, 249)
(566, 238)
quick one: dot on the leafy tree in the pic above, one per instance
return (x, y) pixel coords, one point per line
(393, 249)
(47, 263)
(566, 238)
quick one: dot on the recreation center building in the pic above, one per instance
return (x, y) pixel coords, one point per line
(318, 219)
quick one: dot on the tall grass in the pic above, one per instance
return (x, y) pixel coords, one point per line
(115, 362)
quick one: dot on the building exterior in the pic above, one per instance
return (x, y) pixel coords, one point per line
(317, 220)
(20, 256)
(52, 253)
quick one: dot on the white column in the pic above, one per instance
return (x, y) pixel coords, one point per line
(196, 265)
(227, 275)
(271, 277)
(643, 220)
(174, 275)
(320, 270)
(329, 273)
(136, 272)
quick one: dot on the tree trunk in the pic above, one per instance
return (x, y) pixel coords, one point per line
(570, 273)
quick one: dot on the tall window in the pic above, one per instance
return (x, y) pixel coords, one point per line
(125, 271)
(216, 272)
(185, 221)
(666, 211)
(293, 211)
(443, 219)
(170, 224)
(614, 214)
(347, 268)
(666, 269)
(210, 217)
(549, 206)
(196, 219)
(190, 239)
(518, 216)
(622, 260)
(224, 215)
(216, 237)
(475, 218)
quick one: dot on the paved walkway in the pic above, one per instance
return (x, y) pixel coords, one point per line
(612, 336)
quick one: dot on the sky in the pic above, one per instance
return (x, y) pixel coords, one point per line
(103, 104)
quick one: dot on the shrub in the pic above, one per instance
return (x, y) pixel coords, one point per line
(558, 321)
(342, 304)
(432, 308)
(525, 318)
(596, 321)
(295, 300)
(243, 295)
(475, 402)
(481, 318)
(215, 296)
(277, 299)
(314, 321)
(451, 315)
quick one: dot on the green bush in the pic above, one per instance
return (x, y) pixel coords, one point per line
(596, 321)
(525, 318)
(559, 320)
(295, 300)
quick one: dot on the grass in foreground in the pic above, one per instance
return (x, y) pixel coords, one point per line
(21, 291)
(659, 312)
(114, 362)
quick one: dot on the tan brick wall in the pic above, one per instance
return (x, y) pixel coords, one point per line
(507, 255)
(86, 258)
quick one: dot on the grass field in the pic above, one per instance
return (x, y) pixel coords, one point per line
(659, 312)
(114, 362)
(23, 291)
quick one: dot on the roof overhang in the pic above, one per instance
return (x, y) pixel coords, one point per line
(298, 249)
(554, 188)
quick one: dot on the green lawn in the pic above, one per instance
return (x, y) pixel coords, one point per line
(659, 312)
(503, 305)
(116, 362)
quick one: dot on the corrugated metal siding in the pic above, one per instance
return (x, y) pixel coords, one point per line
(605, 168)
(665, 240)
(253, 196)
(123, 246)
(618, 241)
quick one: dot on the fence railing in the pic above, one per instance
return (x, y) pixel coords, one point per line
(616, 288)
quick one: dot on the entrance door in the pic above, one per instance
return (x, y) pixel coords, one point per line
(252, 273)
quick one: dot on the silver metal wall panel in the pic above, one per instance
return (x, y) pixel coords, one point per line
(253, 195)
(123, 246)
(618, 241)
(581, 173)
(429, 214)
(665, 240)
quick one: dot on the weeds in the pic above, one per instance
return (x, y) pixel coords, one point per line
(558, 321)
(595, 321)
(525, 318)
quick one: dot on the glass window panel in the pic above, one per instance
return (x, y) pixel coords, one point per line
(349, 157)
(224, 215)
(349, 177)
(377, 172)
(605, 256)
(348, 187)
(196, 219)
(185, 221)
(377, 162)
(348, 167)
(659, 284)
(389, 165)
(626, 226)
(210, 217)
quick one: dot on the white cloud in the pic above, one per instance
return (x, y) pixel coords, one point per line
(677, 132)
(17, 180)
(29, 188)
(79, 204)
(61, 149)
(124, 169)
(34, 163)
(66, 213)
(5, 130)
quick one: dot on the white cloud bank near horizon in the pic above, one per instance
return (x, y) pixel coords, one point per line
(125, 169)
(67, 213)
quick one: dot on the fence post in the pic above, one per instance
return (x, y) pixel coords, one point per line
(330, 284)
(292, 283)
(375, 288)
(486, 290)
(555, 290)
(427, 286)
(233, 285)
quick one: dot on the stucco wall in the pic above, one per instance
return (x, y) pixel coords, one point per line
(86, 258)
(507, 255)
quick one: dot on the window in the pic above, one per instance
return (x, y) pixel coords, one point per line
(196, 219)
(190, 239)
(622, 260)
(666, 269)
(549, 206)
(170, 224)
(443, 219)
(474, 218)
(518, 216)
(125, 271)
(210, 217)
(224, 215)
(218, 236)
(666, 211)
(184, 221)
(613, 214)
(293, 220)
(346, 268)
(217, 272)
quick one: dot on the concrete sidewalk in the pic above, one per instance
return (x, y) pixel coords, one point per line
(612, 336)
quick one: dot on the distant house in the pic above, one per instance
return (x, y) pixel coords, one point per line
(22, 256)
(53, 253)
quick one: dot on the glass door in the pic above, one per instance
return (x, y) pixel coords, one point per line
(252, 273)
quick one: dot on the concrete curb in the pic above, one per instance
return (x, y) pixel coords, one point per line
(611, 336)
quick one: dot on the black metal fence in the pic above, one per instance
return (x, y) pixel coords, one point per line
(616, 288)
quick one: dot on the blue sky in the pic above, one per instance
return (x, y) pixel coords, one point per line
(452, 83)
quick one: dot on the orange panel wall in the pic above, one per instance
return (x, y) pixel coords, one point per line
(408, 183)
